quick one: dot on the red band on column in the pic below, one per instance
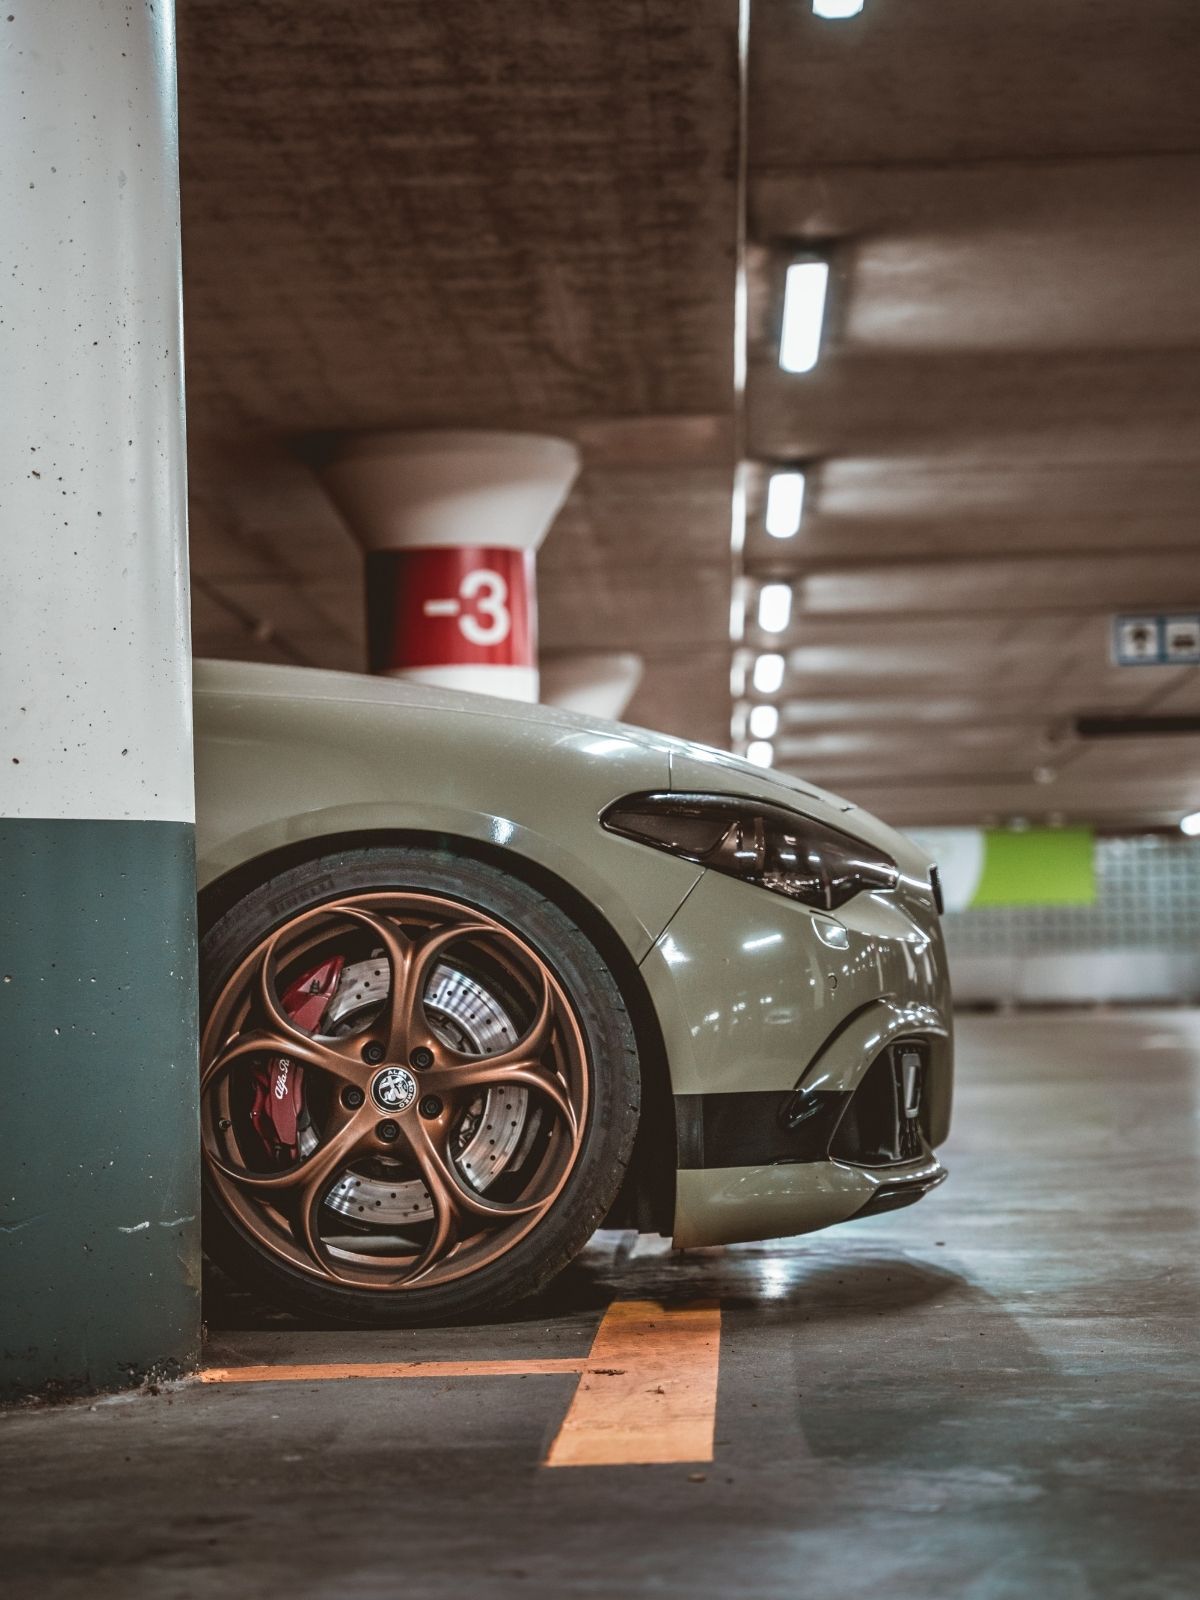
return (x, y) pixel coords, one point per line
(457, 606)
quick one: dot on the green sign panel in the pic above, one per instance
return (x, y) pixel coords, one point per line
(1037, 867)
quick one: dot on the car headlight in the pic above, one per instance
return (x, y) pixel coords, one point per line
(777, 849)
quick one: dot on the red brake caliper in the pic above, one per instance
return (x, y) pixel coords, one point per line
(278, 1110)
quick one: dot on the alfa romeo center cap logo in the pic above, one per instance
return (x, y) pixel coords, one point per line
(394, 1089)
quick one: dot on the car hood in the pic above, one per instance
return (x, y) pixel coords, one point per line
(693, 764)
(692, 767)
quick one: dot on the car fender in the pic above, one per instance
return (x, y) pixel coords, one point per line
(637, 913)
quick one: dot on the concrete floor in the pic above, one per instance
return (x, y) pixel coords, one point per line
(992, 1396)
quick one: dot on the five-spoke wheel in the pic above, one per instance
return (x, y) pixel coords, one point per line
(394, 1090)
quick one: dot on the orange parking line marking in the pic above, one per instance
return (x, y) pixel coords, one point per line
(324, 1372)
(648, 1394)
(647, 1391)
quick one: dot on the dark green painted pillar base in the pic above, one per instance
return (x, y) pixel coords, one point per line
(99, 1179)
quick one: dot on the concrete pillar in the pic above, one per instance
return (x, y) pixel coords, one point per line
(99, 1242)
(451, 523)
(595, 683)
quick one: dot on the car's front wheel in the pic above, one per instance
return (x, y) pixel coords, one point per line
(419, 1087)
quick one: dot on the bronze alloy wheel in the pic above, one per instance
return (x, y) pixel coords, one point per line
(395, 1089)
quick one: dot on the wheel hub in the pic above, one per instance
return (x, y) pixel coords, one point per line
(394, 1089)
(465, 1016)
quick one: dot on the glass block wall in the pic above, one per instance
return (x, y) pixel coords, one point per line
(1140, 941)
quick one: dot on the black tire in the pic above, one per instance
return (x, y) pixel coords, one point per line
(612, 1065)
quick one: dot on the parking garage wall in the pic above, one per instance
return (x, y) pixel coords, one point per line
(1138, 942)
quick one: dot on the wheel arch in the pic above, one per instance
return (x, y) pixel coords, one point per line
(647, 1198)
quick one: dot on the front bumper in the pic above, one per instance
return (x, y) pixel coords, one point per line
(725, 1205)
(758, 998)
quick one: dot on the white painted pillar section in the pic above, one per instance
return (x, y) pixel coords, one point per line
(95, 666)
(99, 1140)
(451, 522)
(597, 683)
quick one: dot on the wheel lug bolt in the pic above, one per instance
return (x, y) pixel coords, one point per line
(372, 1053)
(352, 1098)
(388, 1131)
(431, 1106)
(421, 1058)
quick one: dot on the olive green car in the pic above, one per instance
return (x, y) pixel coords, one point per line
(479, 976)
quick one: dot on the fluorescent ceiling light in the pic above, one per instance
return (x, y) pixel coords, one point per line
(774, 607)
(1189, 824)
(785, 504)
(768, 673)
(803, 314)
(760, 753)
(835, 10)
(764, 721)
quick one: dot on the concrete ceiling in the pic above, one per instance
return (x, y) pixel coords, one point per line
(424, 213)
(449, 212)
(1003, 424)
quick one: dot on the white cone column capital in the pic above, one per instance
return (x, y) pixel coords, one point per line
(451, 522)
(596, 683)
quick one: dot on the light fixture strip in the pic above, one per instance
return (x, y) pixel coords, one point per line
(768, 673)
(764, 722)
(785, 504)
(803, 314)
(774, 607)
